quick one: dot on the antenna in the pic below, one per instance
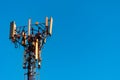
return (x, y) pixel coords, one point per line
(46, 24)
(29, 26)
(50, 28)
(32, 37)
(12, 29)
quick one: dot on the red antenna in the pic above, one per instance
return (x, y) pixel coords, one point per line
(32, 37)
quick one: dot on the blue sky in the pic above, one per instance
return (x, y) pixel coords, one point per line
(85, 44)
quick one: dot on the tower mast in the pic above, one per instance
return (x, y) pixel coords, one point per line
(32, 37)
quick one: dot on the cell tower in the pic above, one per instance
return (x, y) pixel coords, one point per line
(32, 37)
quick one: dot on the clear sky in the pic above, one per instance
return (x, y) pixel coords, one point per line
(85, 44)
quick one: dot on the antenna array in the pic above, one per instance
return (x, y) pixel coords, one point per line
(32, 37)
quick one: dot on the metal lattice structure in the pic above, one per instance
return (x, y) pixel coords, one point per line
(32, 37)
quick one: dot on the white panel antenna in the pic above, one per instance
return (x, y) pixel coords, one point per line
(29, 26)
(46, 22)
(36, 49)
(50, 27)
